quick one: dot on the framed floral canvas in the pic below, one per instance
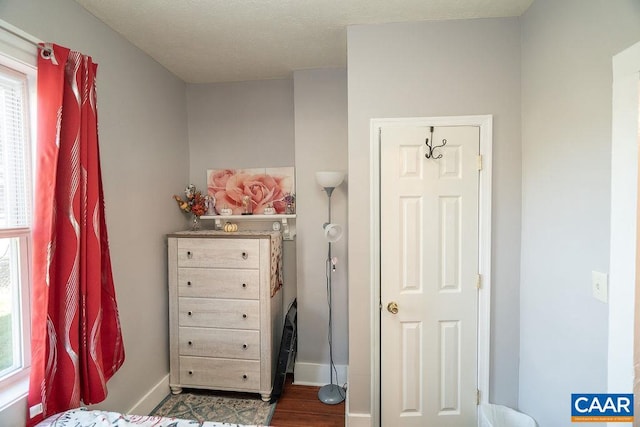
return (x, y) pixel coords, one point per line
(253, 190)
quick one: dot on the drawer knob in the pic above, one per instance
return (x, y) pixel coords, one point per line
(244, 377)
(190, 343)
(244, 316)
(244, 346)
(244, 285)
(245, 255)
(189, 254)
(189, 283)
(190, 372)
(189, 313)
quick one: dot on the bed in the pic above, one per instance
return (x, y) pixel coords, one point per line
(83, 417)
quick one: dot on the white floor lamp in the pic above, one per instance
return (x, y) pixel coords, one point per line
(331, 393)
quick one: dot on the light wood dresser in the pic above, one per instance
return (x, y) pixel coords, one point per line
(225, 310)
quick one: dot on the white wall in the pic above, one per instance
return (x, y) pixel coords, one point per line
(321, 144)
(567, 48)
(427, 69)
(243, 125)
(144, 154)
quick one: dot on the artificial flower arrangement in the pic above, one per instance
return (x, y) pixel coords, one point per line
(290, 200)
(194, 202)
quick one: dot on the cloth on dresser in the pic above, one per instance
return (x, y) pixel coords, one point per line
(276, 263)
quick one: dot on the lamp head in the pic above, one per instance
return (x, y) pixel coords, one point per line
(329, 180)
(332, 232)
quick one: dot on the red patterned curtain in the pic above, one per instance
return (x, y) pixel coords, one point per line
(76, 341)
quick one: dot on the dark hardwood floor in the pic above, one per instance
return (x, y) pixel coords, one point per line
(299, 407)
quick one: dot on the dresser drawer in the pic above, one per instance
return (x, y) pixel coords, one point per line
(223, 373)
(221, 283)
(219, 253)
(227, 343)
(219, 313)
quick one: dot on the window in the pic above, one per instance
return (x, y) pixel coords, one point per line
(17, 99)
(15, 219)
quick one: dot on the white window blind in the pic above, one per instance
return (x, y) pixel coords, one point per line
(15, 184)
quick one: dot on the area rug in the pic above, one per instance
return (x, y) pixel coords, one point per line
(204, 405)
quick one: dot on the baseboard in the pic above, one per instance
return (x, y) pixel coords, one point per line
(153, 397)
(316, 374)
(354, 419)
(358, 420)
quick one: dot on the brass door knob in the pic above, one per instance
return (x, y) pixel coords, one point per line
(392, 307)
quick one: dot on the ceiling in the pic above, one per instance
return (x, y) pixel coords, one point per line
(205, 41)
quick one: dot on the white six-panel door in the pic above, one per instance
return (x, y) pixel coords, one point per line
(429, 268)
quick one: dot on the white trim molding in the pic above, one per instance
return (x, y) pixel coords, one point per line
(485, 123)
(625, 130)
(358, 420)
(18, 45)
(152, 398)
(317, 374)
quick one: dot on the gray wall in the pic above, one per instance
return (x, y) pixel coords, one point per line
(243, 125)
(252, 124)
(321, 144)
(567, 48)
(239, 125)
(438, 69)
(143, 145)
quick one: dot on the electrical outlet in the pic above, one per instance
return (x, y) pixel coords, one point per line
(599, 283)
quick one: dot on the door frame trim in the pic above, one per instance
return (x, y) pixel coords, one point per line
(485, 123)
(623, 265)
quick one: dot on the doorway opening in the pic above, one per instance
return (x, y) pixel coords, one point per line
(484, 124)
(624, 265)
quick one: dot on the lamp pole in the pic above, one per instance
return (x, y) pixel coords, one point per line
(330, 394)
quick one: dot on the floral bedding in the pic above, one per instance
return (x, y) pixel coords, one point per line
(84, 418)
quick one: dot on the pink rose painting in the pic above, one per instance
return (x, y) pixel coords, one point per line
(264, 187)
